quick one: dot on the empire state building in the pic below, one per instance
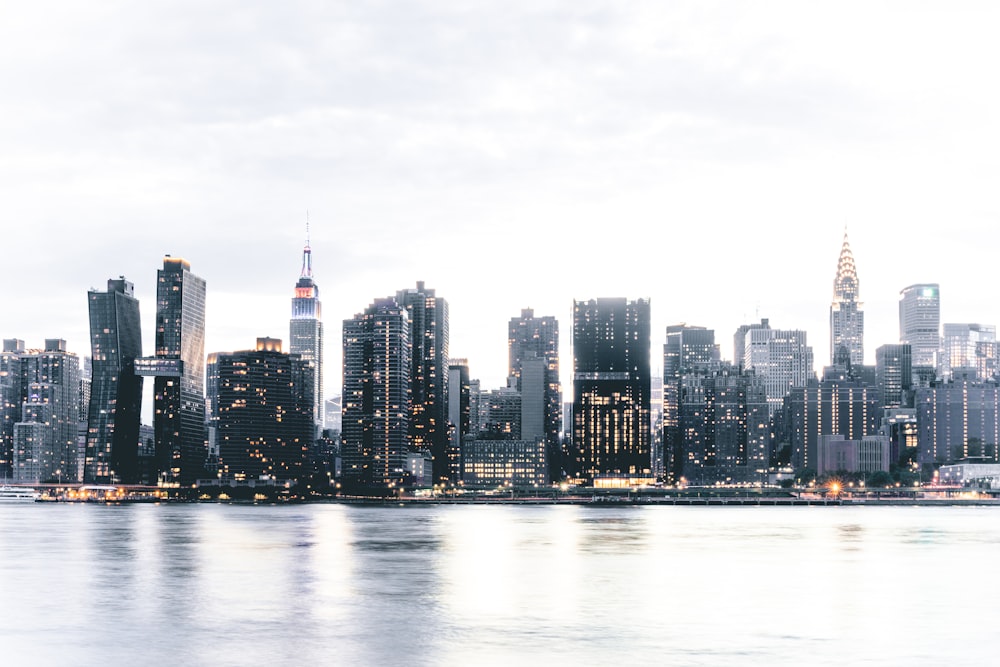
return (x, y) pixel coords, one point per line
(306, 330)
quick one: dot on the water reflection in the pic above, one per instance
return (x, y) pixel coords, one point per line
(332, 584)
(850, 536)
(613, 532)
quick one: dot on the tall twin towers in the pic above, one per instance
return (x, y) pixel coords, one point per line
(178, 372)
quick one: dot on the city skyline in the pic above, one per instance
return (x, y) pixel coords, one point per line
(498, 154)
(333, 351)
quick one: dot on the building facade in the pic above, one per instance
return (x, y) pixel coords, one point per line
(867, 455)
(843, 407)
(968, 350)
(500, 414)
(920, 322)
(178, 370)
(690, 354)
(375, 436)
(537, 338)
(459, 412)
(114, 413)
(12, 390)
(725, 427)
(781, 358)
(44, 439)
(265, 425)
(958, 420)
(509, 463)
(611, 380)
(428, 317)
(894, 375)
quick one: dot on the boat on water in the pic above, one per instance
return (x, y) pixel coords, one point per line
(13, 494)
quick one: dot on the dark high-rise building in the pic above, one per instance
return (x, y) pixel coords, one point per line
(958, 420)
(899, 426)
(847, 320)
(689, 355)
(459, 411)
(894, 375)
(428, 316)
(265, 403)
(501, 414)
(920, 322)
(212, 406)
(306, 330)
(45, 434)
(113, 418)
(12, 391)
(179, 371)
(725, 424)
(611, 386)
(530, 337)
(842, 406)
(376, 403)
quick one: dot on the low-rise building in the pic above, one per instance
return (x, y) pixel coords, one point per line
(867, 455)
(964, 474)
(517, 463)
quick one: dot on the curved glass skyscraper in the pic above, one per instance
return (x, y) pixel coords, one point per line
(116, 391)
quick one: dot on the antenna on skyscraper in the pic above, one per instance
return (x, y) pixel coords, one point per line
(307, 253)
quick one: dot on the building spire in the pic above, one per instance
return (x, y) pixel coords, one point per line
(845, 285)
(307, 269)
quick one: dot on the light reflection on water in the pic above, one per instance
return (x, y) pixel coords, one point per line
(332, 584)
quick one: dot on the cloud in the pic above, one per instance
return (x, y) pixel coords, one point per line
(510, 154)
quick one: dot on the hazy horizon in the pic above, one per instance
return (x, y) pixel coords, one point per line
(705, 156)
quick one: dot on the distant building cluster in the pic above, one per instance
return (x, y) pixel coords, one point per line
(409, 415)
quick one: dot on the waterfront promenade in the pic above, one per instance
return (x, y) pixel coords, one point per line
(683, 497)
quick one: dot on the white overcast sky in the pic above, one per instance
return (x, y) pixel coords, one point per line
(509, 154)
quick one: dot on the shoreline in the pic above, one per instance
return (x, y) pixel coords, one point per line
(594, 501)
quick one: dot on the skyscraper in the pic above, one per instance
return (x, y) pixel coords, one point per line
(893, 372)
(11, 395)
(428, 317)
(115, 408)
(459, 411)
(265, 424)
(724, 421)
(920, 322)
(740, 340)
(179, 371)
(690, 354)
(780, 357)
(530, 337)
(611, 378)
(45, 435)
(958, 420)
(212, 405)
(376, 401)
(969, 350)
(847, 320)
(842, 406)
(306, 330)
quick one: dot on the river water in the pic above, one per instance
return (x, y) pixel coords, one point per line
(215, 584)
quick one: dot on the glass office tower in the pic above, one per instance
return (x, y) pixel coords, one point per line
(113, 417)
